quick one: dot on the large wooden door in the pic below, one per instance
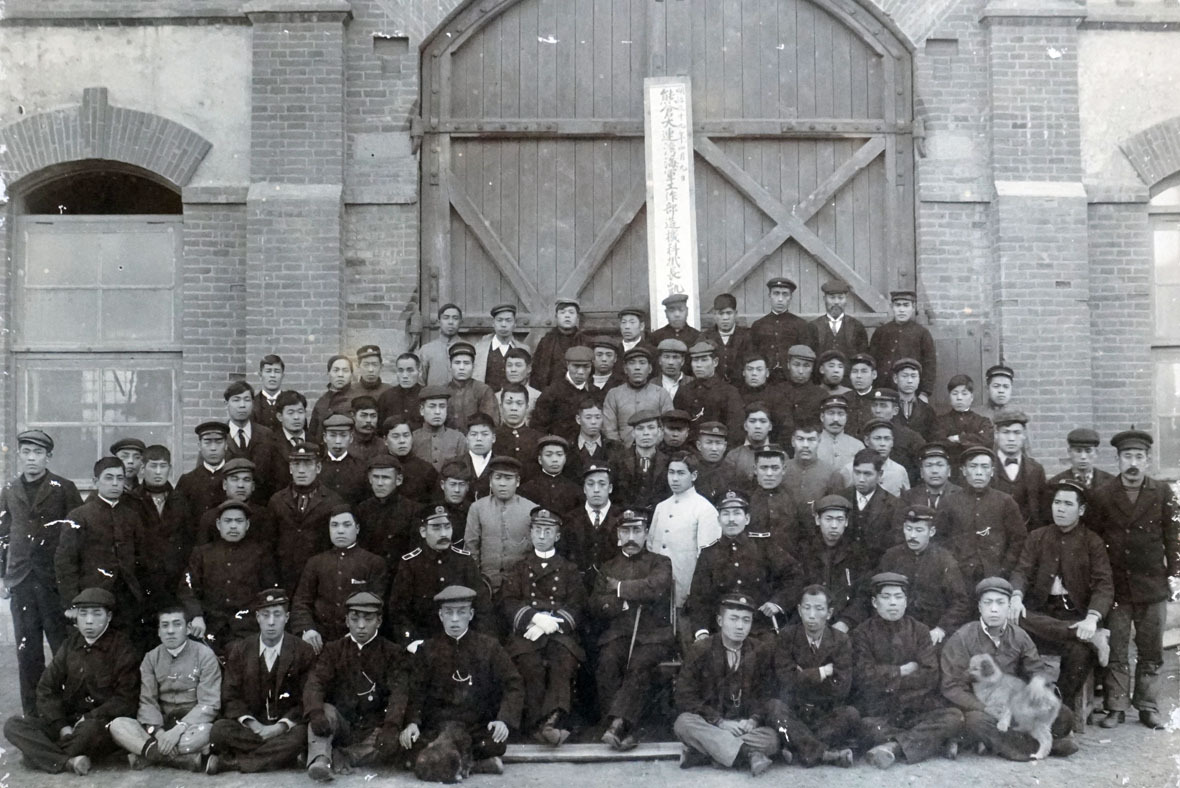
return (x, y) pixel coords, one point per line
(533, 163)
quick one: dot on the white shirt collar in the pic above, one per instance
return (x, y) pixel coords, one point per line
(211, 468)
(579, 388)
(90, 642)
(863, 500)
(503, 347)
(478, 462)
(109, 502)
(547, 554)
(359, 645)
(234, 429)
(175, 652)
(602, 512)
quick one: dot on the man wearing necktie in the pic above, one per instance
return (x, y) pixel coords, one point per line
(1020, 476)
(836, 330)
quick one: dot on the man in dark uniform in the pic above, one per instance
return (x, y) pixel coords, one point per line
(632, 598)
(300, 513)
(331, 577)
(423, 573)
(169, 528)
(936, 489)
(270, 371)
(733, 342)
(386, 516)
(419, 477)
(776, 332)
(130, 453)
(465, 677)
(677, 327)
(605, 373)
(904, 337)
(896, 682)
(1063, 589)
(804, 396)
(262, 728)
(369, 364)
(252, 441)
(549, 485)
(914, 412)
(468, 396)
(33, 508)
(340, 471)
(813, 663)
(1017, 474)
(961, 426)
(222, 578)
(862, 377)
(201, 486)
(549, 360)
(1083, 451)
(747, 561)
(710, 445)
(543, 602)
(491, 350)
(984, 526)
(832, 559)
(355, 697)
(772, 506)
(590, 530)
(724, 691)
(874, 517)
(291, 408)
(1139, 519)
(633, 327)
(93, 678)
(836, 330)
(237, 479)
(885, 403)
(365, 441)
(514, 438)
(706, 396)
(100, 547)
(641, 472)
(401, 401)
(558, 404)
(937, 595)
(453, 492)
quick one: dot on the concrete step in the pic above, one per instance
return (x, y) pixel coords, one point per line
(590, 753)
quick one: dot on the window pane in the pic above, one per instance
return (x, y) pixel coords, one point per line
(136, 395)
(1167, 387)
(58, 317)
(56, 258)
(75, 450)
(56, 395)
(161, 434)
(137, 258)
(1167, 255)
(140, 315)
(1167, 311)
(1169, 442)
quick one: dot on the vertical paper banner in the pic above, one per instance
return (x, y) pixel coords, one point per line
(671, 196)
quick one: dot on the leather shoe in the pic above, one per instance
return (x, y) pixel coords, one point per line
(1151, 719)
(759, 763)
(1112, 719)
(691, 757)
(883, 755)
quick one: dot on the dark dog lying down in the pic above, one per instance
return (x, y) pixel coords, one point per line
(447, 759)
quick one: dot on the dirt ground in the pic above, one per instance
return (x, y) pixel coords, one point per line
(1129, 756)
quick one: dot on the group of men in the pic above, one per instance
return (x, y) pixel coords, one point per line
(768, 532)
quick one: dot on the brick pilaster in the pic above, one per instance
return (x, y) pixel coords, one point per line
(294, 299)
(1042, 285)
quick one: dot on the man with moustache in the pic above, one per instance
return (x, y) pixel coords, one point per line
(836, 330)
(1139, 519)
(632, 600)
(423, 573)
(365, 442)
(836, 447)
(807, 477)
(937, 594)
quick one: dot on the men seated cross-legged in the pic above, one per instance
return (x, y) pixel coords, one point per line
(92, 679)
(1012, 652)
(179, 696)
(262, 694)
(461, 678)
(354, 698)
(723, 691)
(813, 663)
(896, 682)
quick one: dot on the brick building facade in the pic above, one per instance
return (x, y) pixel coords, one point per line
(1043, 130)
